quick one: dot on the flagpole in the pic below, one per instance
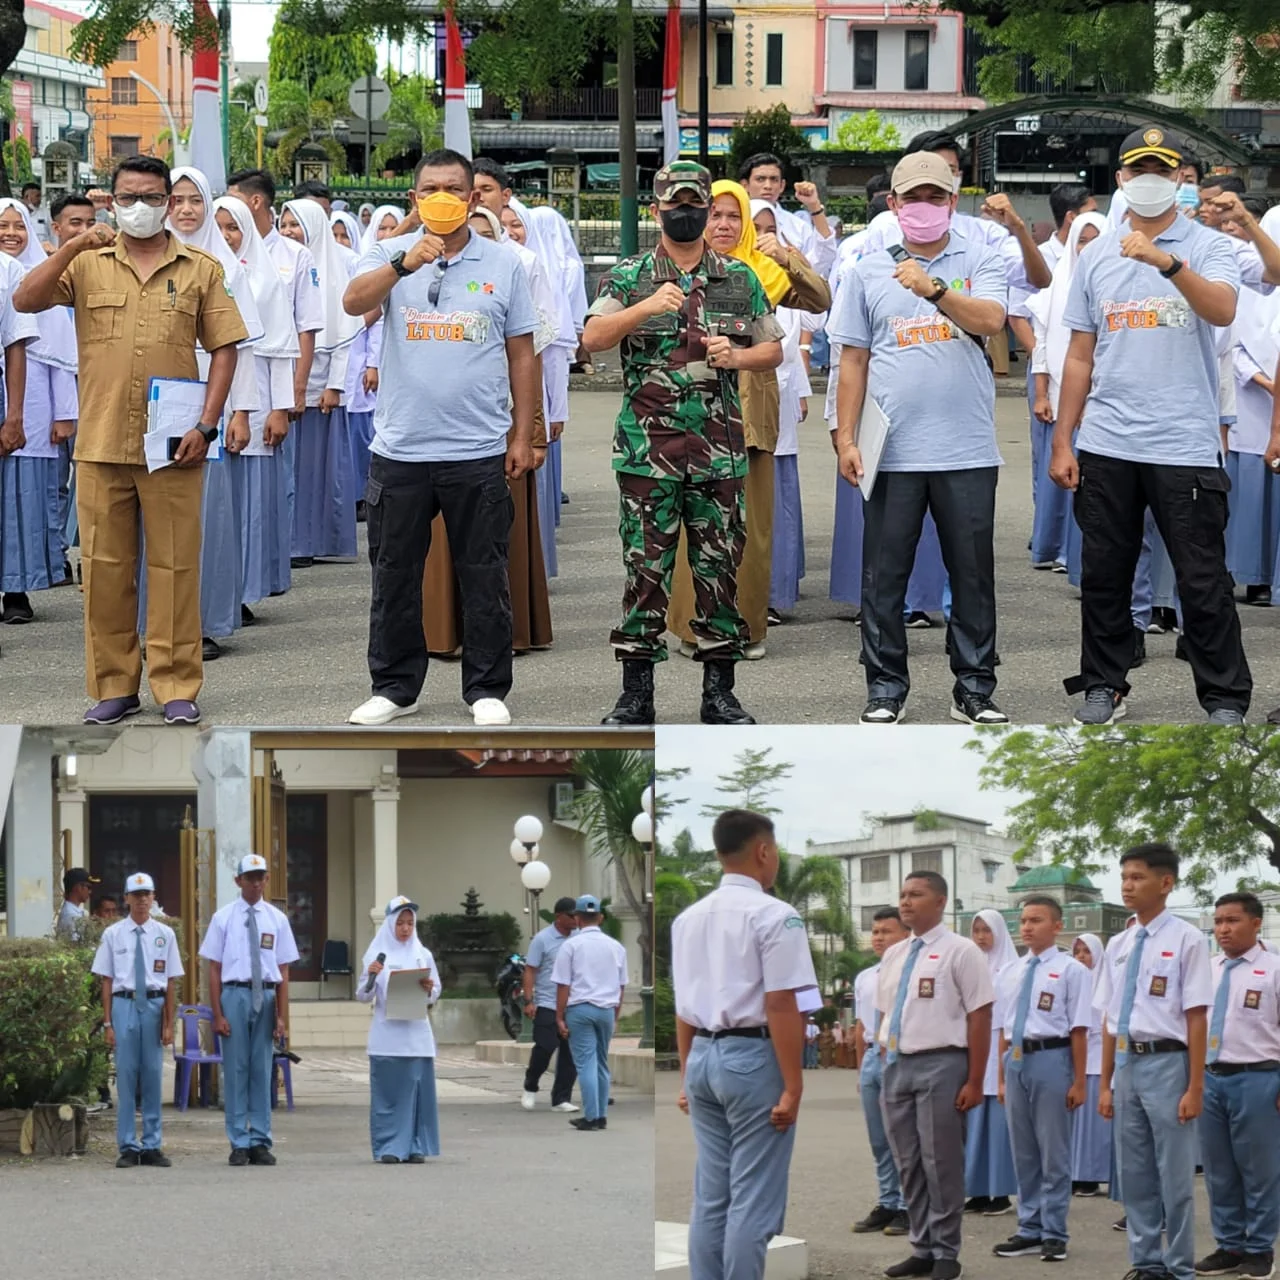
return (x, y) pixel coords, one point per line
(629, 206)
(224, 57)
(704, 92)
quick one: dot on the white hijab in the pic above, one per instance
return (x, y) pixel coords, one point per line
(544, 298)
(1097, 951)
(1050, 305)
(355, 232)
(397, 954)
(1257, 328)
(369, 236)
(541, 241)
(56, 344)
(332, 267)
(207, 237)
(1004, 952)
(280, 338)
(555, 231)
(792, 229)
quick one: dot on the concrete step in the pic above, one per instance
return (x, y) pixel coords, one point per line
(627, 1065)
(344, 1024)
(787, 1259)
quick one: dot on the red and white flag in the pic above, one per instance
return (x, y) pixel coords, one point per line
(206, 117)
(670, 79)
(457, 124)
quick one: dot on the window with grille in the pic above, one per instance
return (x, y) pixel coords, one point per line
(864, 59)
(124, 91)
(773, 58)
(929, 860)
(875, 870)
(915, 71)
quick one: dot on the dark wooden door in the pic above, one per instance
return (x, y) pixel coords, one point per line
(129, 833)
(308, 837)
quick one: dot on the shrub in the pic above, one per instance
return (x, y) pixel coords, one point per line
(664, 1016)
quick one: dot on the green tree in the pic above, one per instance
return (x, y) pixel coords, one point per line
(414, 123)
(815, 886)
(1086, 796)
(303, 115)
(751, 784)
(770, 130)
(683, 858)
(17, 160)
(300, 54)
(864, 132)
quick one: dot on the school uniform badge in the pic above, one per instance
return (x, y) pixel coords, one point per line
(1159, 985)
(267, 941)
(925, 991)
(1045, 1003)
(1253, 999)
(158, 967)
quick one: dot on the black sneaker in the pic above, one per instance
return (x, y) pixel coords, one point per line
(239, 1156)
(976, 708)
(877, 1220)
(977, 1204)
(775, 619)
(389, 1160)
(1262, 1266)
(583, 1125)
(999, 1205)
(1180, 651)
(1087, 1189)
(1101, 705)
(416, 1159)
(128, 1159)
(918, 620)
(884, 711)
(1139, 648)
(301, 562)
(945, 1269)
(157, 1158)
(1260, 596)
(1121, 1225)
(261, 1155)
(1018, 1246)
(210, 649)
(17, 608)
(1054, 1251)
(247, 616)
(900, 1226)
(913, 1266)
(1221, 1262)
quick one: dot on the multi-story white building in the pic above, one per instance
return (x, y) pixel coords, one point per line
(979, 864)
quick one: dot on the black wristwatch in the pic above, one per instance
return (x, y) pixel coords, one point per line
(1174, 267)
(397, 265)
(941, 292)
(210, 433)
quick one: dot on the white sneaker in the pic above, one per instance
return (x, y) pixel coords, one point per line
(490, 711)
(754, 652)
(528, 1100)
(380, 710)
(566, 1107)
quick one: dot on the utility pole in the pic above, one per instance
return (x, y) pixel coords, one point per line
(629, 211)
(704, 90)
(224, 58)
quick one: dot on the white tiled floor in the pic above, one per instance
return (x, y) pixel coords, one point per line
(788, 1259)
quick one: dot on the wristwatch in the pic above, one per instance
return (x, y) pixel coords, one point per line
(210, 433)
(940, 292)
(397, 265)
(1174, 267)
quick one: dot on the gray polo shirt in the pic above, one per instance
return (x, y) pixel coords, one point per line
(1154, 397)
(543, 950)
(71, 921)
(928, 376)
(444, 387)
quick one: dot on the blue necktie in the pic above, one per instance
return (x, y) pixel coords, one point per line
(895, 1019)
(139, 970)
(1126, 1000)
(1020, 1013)
(255, 961)
(1220, 1001)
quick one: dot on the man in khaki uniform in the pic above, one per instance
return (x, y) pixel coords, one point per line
(142, 299)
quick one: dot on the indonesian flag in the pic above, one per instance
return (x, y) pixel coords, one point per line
(457, 124)
(670, 79)
(206, 119)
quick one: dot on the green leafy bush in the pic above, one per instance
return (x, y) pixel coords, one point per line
(664, 1016)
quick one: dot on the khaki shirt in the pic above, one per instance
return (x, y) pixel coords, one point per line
(129, 331)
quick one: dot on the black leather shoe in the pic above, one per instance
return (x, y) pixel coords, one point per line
(583, 1125)
(913, 1266)
(301, 562)
(876, 1220)
(417, 1159)
(390, 1160)
(261, 1155)
(128, 1159)
(719, 705)
(247, 616)
(210, 649)
(156, 1158)
(635, 706)
(239, 1156)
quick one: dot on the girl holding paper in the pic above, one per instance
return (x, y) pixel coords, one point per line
(403, 1122)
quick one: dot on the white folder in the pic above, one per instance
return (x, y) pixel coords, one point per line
(873, 432)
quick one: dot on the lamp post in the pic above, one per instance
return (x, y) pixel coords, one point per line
(524, 853)
(642, 833)
(180, 156)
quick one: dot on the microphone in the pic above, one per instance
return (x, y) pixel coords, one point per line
(373, 977)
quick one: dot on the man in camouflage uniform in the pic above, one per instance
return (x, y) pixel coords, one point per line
(687, 320)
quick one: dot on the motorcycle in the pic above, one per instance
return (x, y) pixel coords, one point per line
(510, 987)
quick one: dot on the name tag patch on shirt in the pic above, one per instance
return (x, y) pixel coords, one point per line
(925, 990)
(268, 941)
(159, 942)
(1159, 985)
(1253, 999)
(1045, 1003)
(158, 967)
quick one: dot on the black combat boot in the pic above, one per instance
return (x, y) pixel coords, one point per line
(719, 706)
(635, 706)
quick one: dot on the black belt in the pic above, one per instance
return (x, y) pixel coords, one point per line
(1054, 1042)
(1237, 1068)
(128, 995)
(928, 1053)
(266, 986)
(1141, 1047)
(742, 1033)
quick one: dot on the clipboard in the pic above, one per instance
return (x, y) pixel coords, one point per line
(406, 1000)
(873, 433)
(174, 406)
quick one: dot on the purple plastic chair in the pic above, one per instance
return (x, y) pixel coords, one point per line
(193, 1054)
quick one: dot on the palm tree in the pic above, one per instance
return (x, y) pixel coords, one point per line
(413, 120)
(700, 866)
(306, 116)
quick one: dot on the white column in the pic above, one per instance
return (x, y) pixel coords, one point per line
(73, 816)
(223, 766)
(386, 848)
(29, 862)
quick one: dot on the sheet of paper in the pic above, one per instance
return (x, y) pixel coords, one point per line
(873, 431)
(174, 406)
(406, 1000)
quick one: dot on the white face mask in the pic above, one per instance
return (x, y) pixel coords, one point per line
(955, 185)
(1149, 195)
(140, 220)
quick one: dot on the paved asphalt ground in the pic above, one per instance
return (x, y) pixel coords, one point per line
(512, 1194)
(304, 664)
(833, 1185)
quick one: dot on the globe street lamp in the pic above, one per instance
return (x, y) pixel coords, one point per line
(534, 876)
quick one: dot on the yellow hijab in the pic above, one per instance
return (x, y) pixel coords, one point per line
(776, 282)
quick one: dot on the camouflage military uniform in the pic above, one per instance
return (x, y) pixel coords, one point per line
(679, 449)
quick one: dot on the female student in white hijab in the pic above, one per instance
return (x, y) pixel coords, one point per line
(324, 503)
(403, 1121)
(262, 479)
(383, 223)
(990, 1180)
(1090, 1133)
(32, 552)
(1052, 522)
(192, 221)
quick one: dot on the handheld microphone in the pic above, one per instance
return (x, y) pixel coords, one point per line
(373, 977)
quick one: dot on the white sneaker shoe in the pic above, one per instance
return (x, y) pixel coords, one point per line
(528, 1100)
(380, 710)
(490, 711)
(566, 1107)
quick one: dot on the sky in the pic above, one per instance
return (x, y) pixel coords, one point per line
(842, 774)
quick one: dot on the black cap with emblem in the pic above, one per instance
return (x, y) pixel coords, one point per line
(1152, 141)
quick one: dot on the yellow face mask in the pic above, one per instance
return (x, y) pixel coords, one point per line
(442, 212)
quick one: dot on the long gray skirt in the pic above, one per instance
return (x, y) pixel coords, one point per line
(403, 1119)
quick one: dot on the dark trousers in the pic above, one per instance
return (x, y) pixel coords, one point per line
(401, 500)
(963, 505)
(547, 1041)
(1189, 505)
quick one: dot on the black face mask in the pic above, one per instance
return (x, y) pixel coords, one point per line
(685, 223)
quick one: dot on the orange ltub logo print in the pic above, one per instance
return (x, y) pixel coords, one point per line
(435, 326)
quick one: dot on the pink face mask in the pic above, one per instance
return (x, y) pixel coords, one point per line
(923, 223)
